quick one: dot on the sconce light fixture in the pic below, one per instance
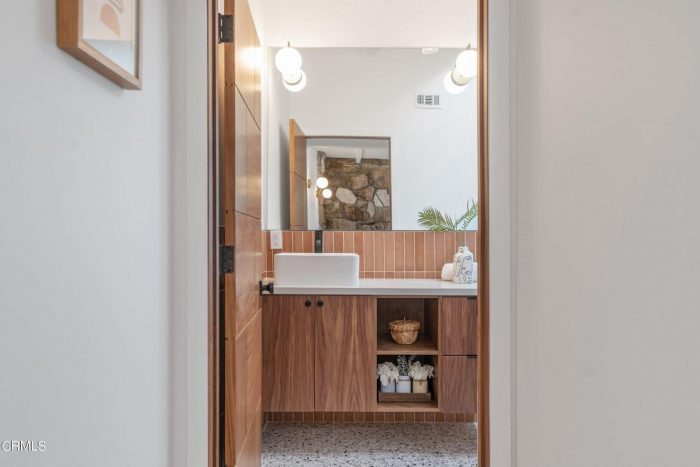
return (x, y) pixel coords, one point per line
(288, 63)
(327, 193)
(463, 72)
(322, 182)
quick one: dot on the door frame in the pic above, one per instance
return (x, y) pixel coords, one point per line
(214, 338)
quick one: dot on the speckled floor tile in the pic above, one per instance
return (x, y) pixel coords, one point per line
(375, 445)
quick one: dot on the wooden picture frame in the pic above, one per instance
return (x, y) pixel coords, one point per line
(102, 49)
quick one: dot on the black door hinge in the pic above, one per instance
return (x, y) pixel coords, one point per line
(226, 258)
(225, 29)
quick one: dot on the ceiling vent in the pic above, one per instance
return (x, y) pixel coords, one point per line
(427, 101)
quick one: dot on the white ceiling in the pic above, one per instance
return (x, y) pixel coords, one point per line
(365, 23)
(355, 147)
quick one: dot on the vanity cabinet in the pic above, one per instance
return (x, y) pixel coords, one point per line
(458, 321)
(288, 353)
(458, 384)
(319, 353)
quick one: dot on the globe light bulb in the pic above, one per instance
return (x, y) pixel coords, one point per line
(467, 63)
(322, 182)
(455, 83)
(327, 193)
(288, 60)
(297, 85)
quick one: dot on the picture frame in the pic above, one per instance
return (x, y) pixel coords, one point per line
(105, 35)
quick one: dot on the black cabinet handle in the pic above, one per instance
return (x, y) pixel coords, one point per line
(319, 303)
(307, 303)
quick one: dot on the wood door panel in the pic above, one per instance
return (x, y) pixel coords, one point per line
(288, 353)
(345, 354)
(248, 265)
(248, 161)
(244, 44)
(247, 378)
(458, 323)
(457, 380)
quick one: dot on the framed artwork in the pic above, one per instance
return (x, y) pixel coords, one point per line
(105, 35)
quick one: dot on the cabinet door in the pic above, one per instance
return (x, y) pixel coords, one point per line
(457, 380)
(346, 343)
(288, 354)
(458, 334)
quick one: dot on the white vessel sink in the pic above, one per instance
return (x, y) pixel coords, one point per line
(317, 270)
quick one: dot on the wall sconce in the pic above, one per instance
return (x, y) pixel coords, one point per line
(288, 63)
(463, 72)
(327, 193)
(322, 182)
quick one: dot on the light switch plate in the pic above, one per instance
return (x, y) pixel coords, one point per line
(276, 240)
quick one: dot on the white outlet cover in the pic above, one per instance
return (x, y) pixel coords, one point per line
(276, 240)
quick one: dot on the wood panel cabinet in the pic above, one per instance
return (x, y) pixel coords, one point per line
(288, 354)
(458, 326)
(346, 345)
(458, 384)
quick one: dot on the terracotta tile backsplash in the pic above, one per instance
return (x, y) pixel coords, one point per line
(383, 255)
(369, 417)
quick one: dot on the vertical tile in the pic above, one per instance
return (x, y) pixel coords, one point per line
(359, 417)
(450, 417)
(399, 264)
(450, 245)
(420, 251)
(347, 417)
(410, 251)
(327, 242)
(318, 416)
(471, 242)
(379, 251)
(348, 242)
(298, 416)
(359, 248)
(287, 241)
(461, 418)
(420, 417)
(369, 417)
(389, 251)
(399, 417)
(430, 417)
(297, 241)
(439, 417)
(368, 251)
(439, 250)
(388, 417)
(308, 241)
(337, 242)
(379, 417)
(308, 416)
(410, 417)
(327, 416)
(277, 416)
(429, 247)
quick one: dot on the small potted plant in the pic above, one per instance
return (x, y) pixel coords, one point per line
(420, 374)
(404, 366)
(388, 374)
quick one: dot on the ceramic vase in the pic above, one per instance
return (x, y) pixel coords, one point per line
(448, 272)
(391, 387)
(420, 386)
(404, 384)
(464, 264)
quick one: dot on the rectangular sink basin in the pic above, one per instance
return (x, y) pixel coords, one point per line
(317, 270)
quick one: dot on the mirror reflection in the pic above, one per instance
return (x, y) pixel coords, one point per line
(371, 139)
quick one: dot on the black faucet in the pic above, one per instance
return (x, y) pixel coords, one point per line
(318, 241)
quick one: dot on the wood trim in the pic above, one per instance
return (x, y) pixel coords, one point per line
(483, 252)
(213, 327)
(68, 37)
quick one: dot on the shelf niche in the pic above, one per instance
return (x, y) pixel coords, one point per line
(423, 310)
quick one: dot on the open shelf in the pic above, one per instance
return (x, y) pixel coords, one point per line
(422, 346)
(407, 406)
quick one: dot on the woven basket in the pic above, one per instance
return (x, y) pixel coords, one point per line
(403, 331)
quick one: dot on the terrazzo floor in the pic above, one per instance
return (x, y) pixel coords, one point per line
(375, 445)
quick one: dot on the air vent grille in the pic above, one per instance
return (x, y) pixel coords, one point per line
(427, 101)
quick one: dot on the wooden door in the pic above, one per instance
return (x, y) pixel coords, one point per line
(458, 384)
(298, 176)
(238, 84)
(288, 353)
(345, 354)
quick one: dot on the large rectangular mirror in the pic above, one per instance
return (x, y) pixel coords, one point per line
(371, 139)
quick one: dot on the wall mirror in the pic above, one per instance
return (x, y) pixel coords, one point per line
(370, 138)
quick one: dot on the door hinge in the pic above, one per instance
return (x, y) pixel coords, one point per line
(225, 29)
(226, 258)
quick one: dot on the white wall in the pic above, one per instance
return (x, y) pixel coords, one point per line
(86, 249)
(607, 149)
(275, 148)
(370, 92)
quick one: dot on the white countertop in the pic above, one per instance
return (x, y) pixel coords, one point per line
(408, 287)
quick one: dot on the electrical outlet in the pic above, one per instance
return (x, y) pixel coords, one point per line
(276, 240)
